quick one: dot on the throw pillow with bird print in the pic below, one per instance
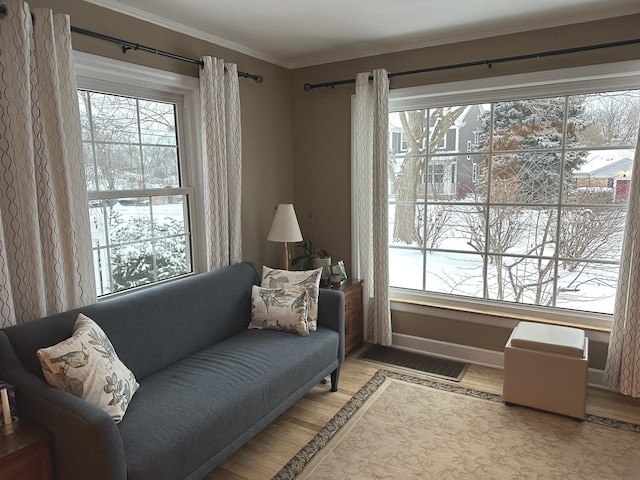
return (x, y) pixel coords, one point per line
(309, 279)
(280, 309)
(87, 366)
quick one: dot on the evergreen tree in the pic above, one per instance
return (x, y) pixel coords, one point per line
(530, 133)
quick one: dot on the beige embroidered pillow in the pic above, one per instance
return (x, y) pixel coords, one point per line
(280, 309)
(309, 279)
(87, 366)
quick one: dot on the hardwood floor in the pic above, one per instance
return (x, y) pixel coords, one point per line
(264, 455)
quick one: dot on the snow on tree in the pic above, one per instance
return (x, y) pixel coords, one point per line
(144, 252)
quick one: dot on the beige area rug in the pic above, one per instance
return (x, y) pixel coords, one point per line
(403, 427)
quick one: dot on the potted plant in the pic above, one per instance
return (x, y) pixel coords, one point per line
(313, 258)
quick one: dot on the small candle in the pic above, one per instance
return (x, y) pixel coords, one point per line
(6, 412)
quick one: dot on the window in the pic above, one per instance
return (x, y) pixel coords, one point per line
(536, 213)
(140, 204)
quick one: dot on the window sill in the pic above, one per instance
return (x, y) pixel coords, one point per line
(597, 326)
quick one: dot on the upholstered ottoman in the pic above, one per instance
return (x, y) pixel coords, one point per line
(545, 367)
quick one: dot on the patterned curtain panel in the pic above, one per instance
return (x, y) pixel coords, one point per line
(370, 202)
(222, 152)
(45, 245)
(622, 371)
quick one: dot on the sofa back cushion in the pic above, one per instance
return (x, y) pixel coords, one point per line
(153, 328)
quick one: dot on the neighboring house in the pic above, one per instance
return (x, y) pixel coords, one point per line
(452, 170)
(604, 171)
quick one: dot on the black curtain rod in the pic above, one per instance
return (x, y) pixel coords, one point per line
(488, 63)
(126, 46)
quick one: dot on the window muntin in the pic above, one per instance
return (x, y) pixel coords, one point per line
(139, 209)
(527, 222)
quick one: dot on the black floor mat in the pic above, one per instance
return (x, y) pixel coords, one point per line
(437, 367)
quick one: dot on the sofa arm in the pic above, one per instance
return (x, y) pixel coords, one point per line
(86, 442)
(331, 314)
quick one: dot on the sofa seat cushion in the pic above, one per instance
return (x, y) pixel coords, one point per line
(184, 414)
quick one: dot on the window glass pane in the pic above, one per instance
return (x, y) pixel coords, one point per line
(607, 119)
(587, 286)
(455, 227)
(406, 268)
(534, 124)
(102, 270)
(157, 123)
(522, 229)
(602, 176)
(521, 279)
(455, 273)
(169, 214)
(113, 118)
(526, 178)
(89, 167)
(591, 233)
(438, 182)
(407, 182)
(132, 265)
(171, 256)
(118, 166)
(406, 224)
(99, 221)
(444, 123)
(463, 174)
(160, 167)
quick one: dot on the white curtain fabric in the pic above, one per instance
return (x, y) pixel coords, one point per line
(222, 152)
(371, 216)
(46, 264)
(622, 371)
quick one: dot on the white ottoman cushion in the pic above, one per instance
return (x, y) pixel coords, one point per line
(549, 338)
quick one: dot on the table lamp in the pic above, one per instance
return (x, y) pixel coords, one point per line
(285, 229)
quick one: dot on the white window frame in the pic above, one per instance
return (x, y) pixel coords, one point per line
(113, 76)
(577, 80)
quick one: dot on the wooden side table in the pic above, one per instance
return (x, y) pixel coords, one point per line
(25, 454)
(353, 327)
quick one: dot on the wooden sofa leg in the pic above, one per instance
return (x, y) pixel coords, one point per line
(335, 375)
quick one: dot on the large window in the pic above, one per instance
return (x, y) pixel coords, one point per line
(526, 207)
(139, 203)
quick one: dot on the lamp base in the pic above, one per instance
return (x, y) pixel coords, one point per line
(10, 428)
(285, 257)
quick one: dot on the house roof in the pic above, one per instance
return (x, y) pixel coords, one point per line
(606, 165)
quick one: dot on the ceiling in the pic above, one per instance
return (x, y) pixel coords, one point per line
(298, 33)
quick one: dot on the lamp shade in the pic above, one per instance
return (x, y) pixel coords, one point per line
(285, 226)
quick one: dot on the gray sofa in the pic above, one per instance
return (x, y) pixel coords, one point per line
(207, 383)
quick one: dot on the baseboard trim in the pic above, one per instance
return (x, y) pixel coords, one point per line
(468, 354)
(450, 351)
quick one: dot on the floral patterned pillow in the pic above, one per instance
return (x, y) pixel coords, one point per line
(280, 309)
(309, 279)
(87, 366)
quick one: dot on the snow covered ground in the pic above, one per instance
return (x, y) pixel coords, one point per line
(586, 287)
